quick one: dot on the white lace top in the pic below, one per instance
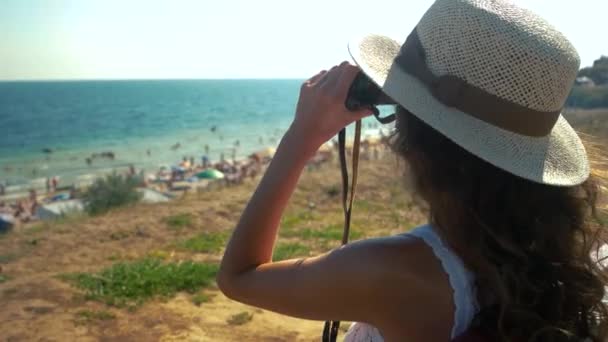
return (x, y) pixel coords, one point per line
(461, 280)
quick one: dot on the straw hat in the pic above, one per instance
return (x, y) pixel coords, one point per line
(490, 76)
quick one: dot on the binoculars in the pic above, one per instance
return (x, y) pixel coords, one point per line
(364, 93)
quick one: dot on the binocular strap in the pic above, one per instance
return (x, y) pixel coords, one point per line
(330, 330)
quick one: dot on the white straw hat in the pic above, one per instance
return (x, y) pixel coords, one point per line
(490, 76)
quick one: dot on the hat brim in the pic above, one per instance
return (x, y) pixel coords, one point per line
(557, 159)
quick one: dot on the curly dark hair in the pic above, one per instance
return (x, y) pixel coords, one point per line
(530, 245)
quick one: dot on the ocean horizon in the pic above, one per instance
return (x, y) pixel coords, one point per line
(51, 127)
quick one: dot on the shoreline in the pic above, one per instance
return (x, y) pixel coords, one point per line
(72, 166)
(47, 200)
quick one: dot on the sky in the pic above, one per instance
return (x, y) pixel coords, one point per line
(159, 39)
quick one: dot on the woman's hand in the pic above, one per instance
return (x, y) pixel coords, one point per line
(321, 113)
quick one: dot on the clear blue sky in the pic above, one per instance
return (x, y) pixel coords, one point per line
(110, 39)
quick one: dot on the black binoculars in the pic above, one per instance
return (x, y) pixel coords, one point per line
(364, 93)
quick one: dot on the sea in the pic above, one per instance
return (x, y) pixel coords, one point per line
(49, 129)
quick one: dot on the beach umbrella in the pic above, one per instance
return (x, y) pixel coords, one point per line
(210, 174)
(266, 152)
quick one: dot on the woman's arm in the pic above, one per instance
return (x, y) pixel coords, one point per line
(320, 114)
(336, 285)
(252, 242)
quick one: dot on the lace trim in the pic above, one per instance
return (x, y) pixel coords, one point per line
(461, 280)
(361, 332)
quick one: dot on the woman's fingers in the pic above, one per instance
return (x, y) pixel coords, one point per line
(331, 79)
(327, 77)
(349, 72)
(313, 80)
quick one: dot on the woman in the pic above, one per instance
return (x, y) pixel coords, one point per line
(511, 240)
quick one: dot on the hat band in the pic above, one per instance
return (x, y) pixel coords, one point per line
(455, 92)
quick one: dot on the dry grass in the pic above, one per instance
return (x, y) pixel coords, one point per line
(104, 254)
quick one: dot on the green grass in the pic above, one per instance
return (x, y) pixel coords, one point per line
(240, 318)
(291, 221)
(200, 298)
(210, 242)
(130, 284)
(90, 316)
(325, 234)
(283, 251)
(4, 278)
(179, 221)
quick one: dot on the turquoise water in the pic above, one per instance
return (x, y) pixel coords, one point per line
(76, 119)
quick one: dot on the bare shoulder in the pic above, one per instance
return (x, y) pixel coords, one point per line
(418, 291)
(401, 256)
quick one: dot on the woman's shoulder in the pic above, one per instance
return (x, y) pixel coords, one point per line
(410, 254)
(415, 280)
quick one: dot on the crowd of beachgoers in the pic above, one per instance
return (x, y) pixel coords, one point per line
(189, 174)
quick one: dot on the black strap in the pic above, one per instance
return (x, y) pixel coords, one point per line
(330, 330)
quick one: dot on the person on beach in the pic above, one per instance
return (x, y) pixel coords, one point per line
(233, 156)
(33, 202)
(73, 194)
(512, 250)
(54, 183)
(185, 164)
(19, 209)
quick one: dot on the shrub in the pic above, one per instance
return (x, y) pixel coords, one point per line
(240, 318)
(111, 192)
